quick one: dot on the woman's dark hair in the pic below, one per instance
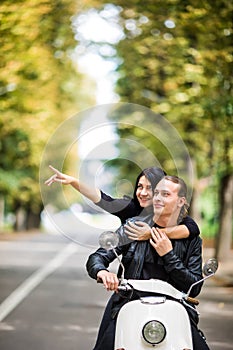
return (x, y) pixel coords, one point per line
(154, 175)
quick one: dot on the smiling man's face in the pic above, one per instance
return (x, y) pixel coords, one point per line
(166, 200)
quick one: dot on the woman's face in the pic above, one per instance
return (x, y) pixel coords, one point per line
(144, 192)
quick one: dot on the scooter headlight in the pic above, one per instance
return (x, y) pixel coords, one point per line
(154, 332)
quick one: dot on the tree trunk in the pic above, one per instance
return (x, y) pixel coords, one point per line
(32, 220)
(20, 219)
(224, 238)
(194, 211)
(1, 212)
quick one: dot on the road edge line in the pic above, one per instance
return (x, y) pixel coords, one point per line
(25, 288)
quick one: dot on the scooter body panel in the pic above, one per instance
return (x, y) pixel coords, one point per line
(135, 314)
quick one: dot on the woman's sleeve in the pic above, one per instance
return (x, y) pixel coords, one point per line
(123, 208)
(191, 226)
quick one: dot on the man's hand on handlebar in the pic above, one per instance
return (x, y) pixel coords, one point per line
(109, 279)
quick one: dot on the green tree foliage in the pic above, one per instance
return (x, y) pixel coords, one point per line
(39, 88)
(179, 64)
(177, 60)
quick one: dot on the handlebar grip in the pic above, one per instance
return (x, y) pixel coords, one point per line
(193, 301)
(122, 288)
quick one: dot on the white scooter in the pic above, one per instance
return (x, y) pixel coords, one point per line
(159, 322)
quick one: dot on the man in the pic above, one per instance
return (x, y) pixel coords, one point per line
(179, 262)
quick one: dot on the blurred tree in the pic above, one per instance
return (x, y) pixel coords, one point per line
(176, 59)
(39, 88)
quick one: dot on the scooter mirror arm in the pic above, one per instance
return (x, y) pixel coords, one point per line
(122, 266)
(189, 306)
(194, 284)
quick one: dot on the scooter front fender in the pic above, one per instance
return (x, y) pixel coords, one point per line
(134, 315)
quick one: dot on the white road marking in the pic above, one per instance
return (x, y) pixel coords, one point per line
(20, 293)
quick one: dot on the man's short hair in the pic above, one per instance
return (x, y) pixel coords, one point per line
(177, 180)
(181, 193)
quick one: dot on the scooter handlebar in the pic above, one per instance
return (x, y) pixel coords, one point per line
(125, 288)
(193, 301)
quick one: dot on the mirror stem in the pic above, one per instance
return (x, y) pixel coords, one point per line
(194, 284)
(122, 266)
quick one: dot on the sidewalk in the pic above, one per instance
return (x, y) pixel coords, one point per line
(224, 274)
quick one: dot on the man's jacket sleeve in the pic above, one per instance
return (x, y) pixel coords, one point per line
(183, 274)
(100, 260)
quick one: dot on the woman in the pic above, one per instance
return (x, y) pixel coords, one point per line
(126, 207)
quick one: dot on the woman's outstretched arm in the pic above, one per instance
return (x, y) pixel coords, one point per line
(91, 193)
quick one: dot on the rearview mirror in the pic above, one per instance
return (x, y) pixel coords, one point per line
(210, 267)
(109, 240)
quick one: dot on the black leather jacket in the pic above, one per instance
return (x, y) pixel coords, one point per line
(183, 265)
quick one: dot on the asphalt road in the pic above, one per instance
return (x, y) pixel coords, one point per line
(48, 302)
